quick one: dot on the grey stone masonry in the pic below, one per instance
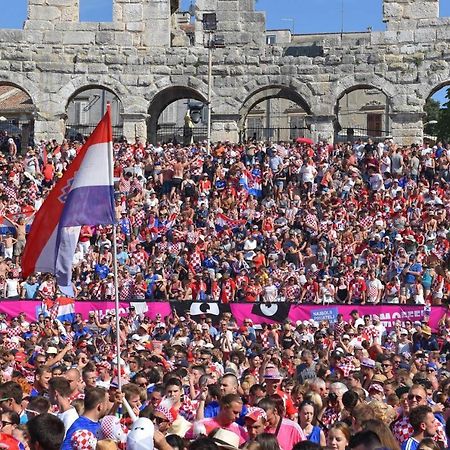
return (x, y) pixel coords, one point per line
(56, 56)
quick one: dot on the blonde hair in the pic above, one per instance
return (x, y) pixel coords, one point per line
(315, 398)
(382, 411)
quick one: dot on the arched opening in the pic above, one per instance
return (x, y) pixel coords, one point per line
(85, 109)
(168, 111)
(362, 112)
(274, 113)
(16, 117)
(436, 122)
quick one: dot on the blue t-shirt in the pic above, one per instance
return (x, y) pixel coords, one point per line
(410, 444)
(82, 423)
(410, 278)
(314, 436)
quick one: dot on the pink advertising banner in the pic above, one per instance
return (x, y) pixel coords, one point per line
(388, 313)
(259, 313)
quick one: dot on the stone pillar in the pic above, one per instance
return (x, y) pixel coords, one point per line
(322, 128)
(406, 14)
(150, 18)
(42, 14)
(135, 126)
(48, 128)
(237, 21)
(407, 127)
(224, 127)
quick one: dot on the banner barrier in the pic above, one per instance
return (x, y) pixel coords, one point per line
(257, 312)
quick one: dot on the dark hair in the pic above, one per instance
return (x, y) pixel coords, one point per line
(428, 443)
(368, 438)
(279, 404)
(350, 399)
(267, 403)
(173, 382)
(313, 405)
(267, 441)
(47, 430)
(228, 399)
(175, 441)
(418, 415)
(257, 387)
(306, 445)
(93, 397)
(13, 417)
(60, 385)
(214, 390)
(203, 443)
(39, 404)
(11, 389)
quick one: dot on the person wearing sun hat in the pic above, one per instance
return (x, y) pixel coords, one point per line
(427, 341)
(225, 439)
(273, 379)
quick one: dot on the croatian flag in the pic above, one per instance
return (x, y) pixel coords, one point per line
(251, 183)
(83, 196)
(63, 308)
(164, 227)
(222, 220)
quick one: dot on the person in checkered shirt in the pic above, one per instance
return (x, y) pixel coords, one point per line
(403, 429)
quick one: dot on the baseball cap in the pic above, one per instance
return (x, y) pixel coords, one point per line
(367, 362)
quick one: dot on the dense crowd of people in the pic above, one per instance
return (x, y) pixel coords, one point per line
(188, 384)
(351, 223)
(356, 223)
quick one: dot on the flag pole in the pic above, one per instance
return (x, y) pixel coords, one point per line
(116, 279)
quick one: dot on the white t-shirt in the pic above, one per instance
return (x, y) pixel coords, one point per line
(68, 417)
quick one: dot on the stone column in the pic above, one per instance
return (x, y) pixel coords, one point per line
(224, 127)
(42, 14)
(322, 128)
(49, 127)
(407, 14)
(237, 21)
(150, 18)
(407, 127)
(135, 126)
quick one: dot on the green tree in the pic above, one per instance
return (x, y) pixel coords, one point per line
(442, 128)
(432, 111)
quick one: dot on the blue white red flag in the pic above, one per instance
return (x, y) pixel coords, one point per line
(222, 220)
(161, 228)
(83, 196)
(63, 308)
(252, 183)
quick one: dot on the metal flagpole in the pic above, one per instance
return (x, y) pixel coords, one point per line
(116, 279)
(116, 298)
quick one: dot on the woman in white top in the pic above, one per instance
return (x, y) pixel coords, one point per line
(11, 286)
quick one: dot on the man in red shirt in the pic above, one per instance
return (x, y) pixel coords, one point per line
(273, 378)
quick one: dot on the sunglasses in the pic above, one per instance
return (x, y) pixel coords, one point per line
(417, 398)
(160, 420)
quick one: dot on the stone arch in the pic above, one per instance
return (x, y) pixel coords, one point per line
(84, 82)
(429, 89)
(164, 98)
(20, 81)
(269, 92)
(18, 112)
(354, 83)
(92, 106)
